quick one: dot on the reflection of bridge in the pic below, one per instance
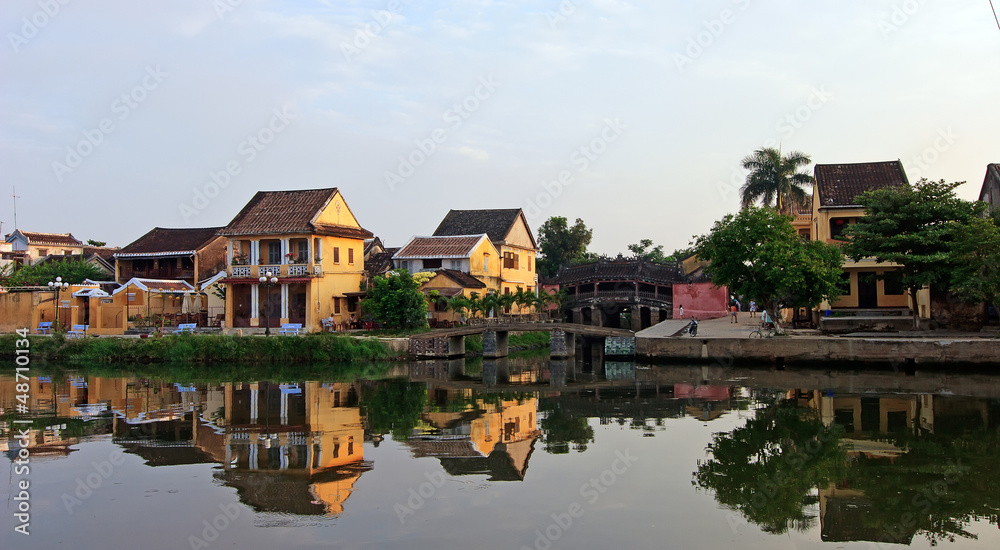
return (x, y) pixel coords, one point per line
(450, 342)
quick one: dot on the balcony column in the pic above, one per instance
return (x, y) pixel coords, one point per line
(310, 251)
(284, 250)
(230, 253)
(254, 252)
(284, 302)
(254, 299)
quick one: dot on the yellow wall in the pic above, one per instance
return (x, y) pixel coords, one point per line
(490, 275)
(337, 213)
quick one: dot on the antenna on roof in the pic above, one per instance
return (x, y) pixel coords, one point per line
(13, 194)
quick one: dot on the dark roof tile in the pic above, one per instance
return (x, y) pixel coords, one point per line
(840, 184)
(495, 223)
(163, 240)
(462, 278)
(620, 270)
(282, 212)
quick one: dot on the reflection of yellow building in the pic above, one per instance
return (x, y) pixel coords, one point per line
(482, 437)
(291, 447)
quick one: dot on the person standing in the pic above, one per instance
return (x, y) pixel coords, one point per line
(733, 309)
(682, 312)
(753, 308)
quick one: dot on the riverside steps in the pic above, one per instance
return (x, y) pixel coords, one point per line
(564, 341)
(723, 342)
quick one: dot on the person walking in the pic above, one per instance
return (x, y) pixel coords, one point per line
(682, 312)
(753, 308)
(733, 309)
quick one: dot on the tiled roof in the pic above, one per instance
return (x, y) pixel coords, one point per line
(620, 270)
(162, 241)
(281, 212)
(439, 247)
(106, 253)
(378, 263)
(495, 223)
(840, 184)
(991, 182)
(462, 278)
(50, 239)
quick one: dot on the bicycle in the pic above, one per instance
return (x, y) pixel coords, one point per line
(765, 330)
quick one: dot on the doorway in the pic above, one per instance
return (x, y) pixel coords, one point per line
(867, 289)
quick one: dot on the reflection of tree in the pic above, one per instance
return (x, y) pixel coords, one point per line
(393, 406)
(561, 429)
(769, 469)
(936, 488)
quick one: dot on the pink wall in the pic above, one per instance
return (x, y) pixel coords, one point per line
(700, 300)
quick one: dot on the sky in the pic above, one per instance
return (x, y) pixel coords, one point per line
(119, 116)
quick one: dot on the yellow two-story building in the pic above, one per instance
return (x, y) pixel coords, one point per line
(867, 284)
(309, 249)
(510, 235)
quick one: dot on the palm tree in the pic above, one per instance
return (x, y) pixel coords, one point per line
(775, 179)
(523, 299)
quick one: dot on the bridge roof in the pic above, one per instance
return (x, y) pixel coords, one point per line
(620, 270)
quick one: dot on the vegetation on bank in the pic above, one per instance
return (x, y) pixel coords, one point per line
(517, 341)
(204, 348)
(186, 349)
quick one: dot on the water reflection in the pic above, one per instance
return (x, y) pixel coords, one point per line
(866, 467)
(870, 457)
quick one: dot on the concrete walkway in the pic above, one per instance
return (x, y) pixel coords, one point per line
(721, 327)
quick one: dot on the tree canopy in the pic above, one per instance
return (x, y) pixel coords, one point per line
(757, 253)
(768, 468)
(396, 301)
(775, 179)
(935, 237)
(561, 244)
(72, 270)
(644, 249)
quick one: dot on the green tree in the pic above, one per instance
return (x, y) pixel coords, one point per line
(768, 468)
(758, 254)
(72, 270)
(976, 277)
(561, 429)
(775, 179)
(393, 406)
(561, 244)
(922, 229)
(645, 250)
(92, 242)
(396, 301)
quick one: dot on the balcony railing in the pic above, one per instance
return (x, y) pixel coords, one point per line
(284, 270)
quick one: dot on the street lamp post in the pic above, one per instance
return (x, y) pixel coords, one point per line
(56, 286)
(267, 280)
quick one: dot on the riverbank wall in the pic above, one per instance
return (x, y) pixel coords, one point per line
(809, 350)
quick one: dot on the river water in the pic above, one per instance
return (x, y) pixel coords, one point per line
(513, 453)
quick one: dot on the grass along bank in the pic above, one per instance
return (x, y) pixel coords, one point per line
(203, 348)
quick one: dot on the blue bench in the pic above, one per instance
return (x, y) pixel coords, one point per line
(290, 329)
(45, 327)
(79, 331)
(186, 327)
